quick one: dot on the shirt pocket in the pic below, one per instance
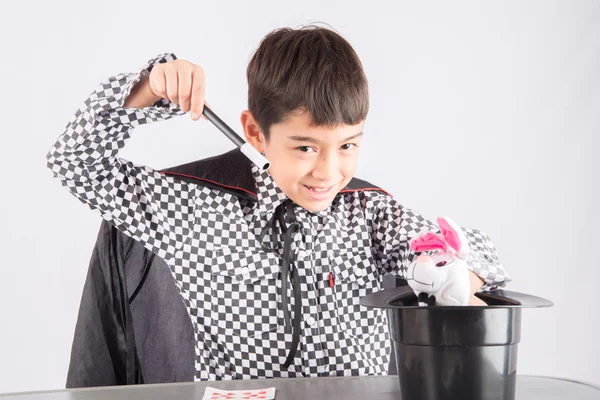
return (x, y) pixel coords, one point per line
(355, 275)
(244, 290)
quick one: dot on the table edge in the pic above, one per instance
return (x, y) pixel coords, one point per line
(267, 380)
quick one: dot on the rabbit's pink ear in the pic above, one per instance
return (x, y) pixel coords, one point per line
(428, 241)
(449, 234)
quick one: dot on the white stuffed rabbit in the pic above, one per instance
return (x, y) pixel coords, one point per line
(441, 278)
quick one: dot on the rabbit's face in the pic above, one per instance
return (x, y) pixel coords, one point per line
(428, 273)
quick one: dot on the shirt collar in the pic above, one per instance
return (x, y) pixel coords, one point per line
(269, 194)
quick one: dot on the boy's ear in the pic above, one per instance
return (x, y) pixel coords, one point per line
(252, 131)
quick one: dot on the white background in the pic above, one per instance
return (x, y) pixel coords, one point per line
(487, 112)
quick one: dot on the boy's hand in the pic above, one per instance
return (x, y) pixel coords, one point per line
(476, 284)
(181, 82)
(476, 301)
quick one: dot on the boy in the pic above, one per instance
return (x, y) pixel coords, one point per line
(271, 280)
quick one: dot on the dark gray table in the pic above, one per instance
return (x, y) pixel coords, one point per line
(367, 387)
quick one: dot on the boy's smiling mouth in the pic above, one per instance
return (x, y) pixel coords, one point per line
(318, 192)
(319, 188)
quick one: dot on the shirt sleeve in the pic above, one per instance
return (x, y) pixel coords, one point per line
(393, 226)
(150, 207)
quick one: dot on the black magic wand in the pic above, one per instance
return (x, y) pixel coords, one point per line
(253, 155)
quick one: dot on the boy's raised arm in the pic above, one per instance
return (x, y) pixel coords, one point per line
(144, 204)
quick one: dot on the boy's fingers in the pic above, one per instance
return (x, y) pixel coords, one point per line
(157, 83)
(198, 84)
(184, 88)
(172, 85)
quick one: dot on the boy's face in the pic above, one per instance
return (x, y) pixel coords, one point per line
(310, 164)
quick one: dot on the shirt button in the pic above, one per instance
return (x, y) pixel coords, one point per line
(244, 271)
(359, 271)
(311, 321)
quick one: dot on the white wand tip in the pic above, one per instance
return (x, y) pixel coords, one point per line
(258, 159)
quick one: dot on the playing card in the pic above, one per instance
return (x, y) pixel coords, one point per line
(217, 394)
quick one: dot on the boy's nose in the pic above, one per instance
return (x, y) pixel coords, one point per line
(325, 169)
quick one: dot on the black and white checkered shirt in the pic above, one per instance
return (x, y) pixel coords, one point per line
(215, 246)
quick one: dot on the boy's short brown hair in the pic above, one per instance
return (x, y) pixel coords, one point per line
(311, 69)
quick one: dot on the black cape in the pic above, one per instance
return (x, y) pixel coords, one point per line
(132, 325)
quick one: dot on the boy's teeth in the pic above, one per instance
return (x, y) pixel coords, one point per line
(317, 189)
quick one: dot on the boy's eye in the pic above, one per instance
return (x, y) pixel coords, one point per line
(348, 146)
(304, 149)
